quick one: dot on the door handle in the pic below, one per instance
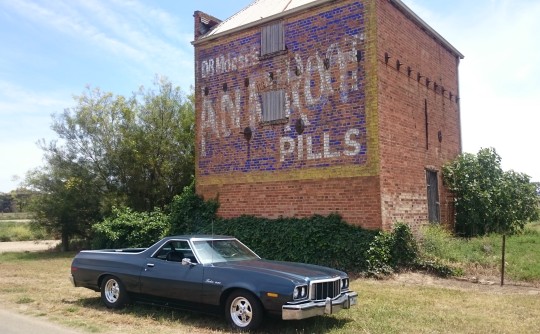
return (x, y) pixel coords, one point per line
(150, 265)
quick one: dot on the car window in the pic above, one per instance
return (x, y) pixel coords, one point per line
(213, 251)
(176, 251)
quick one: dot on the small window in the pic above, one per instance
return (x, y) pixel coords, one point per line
(273, 103)
(272, 38)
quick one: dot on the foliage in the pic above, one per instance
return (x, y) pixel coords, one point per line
(126, 228)
(482, 255)
(114, 151)
(20, 231)
(189, 212)
(394, 250)
(66, 202)
(487, 199)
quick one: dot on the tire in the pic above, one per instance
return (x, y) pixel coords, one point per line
(113, 293)
(243, 311)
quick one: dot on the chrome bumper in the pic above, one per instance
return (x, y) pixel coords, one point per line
(72, 281)
(311, 309)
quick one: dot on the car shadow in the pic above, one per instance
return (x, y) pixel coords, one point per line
(216, 322)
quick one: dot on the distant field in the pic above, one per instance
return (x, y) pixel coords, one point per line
(20, 230)
(15, 216)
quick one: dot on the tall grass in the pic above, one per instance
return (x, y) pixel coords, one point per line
(483, 255)
(21, 231)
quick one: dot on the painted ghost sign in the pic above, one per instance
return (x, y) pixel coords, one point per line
(322, 77)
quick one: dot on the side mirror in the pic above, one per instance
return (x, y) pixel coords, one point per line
(187, 262)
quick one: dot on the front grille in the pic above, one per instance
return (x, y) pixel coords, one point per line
(320, 290)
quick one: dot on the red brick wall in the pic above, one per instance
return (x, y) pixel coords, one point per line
(372, 175)
(404, 153)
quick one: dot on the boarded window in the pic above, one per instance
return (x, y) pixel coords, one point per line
(273, 103)
(433, 196)
(272, 38)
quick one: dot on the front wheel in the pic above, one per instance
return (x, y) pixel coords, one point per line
(113, 292)
(243, 311)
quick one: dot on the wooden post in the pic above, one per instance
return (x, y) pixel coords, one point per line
(502, 263)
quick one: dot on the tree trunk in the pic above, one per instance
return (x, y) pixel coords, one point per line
(65, 242)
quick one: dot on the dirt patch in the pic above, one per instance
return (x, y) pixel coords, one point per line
(484, 284)
(28, 246)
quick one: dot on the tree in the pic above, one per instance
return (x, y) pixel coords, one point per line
(488, 199)
(136, 152)
(66, 202)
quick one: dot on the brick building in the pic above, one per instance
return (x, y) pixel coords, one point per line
(318, 106)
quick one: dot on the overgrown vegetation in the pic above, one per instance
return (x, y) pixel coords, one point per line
(481, 256)
(327, 241)
(488, 199)
(21, 231)
(113, 151)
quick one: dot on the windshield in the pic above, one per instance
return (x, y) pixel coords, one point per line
(212, 251)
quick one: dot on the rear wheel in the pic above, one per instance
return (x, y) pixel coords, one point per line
(113, 292)
(243, 311)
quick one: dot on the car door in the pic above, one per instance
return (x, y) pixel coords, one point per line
(167, 278)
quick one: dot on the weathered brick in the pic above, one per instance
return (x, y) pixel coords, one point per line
(364, 151)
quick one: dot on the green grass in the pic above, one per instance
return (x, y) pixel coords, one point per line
(16, 230)
(37, 284)
(483, 255)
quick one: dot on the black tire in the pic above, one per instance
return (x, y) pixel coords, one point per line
(113, 292)
(243, 311)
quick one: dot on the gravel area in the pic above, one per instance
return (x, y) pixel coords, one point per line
(27, 246)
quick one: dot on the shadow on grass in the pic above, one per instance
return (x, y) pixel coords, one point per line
(216, 322)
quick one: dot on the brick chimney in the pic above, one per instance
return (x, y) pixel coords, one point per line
(204, 23)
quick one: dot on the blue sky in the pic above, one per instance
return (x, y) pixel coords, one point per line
(52, 49)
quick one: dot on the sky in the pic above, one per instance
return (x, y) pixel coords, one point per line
(51, 50)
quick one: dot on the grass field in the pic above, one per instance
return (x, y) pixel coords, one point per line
(20, 230)
(482, 256)
(37, 284)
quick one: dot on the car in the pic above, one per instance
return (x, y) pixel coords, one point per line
(216, 274)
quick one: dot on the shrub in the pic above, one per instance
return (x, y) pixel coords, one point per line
(126, 228)
(189, 212)
(327, 241)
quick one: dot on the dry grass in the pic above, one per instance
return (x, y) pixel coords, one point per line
(37, 284)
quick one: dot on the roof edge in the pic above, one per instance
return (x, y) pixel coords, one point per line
(259, 22)
(414, 17)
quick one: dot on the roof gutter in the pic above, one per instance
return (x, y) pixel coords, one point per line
(429, 30)
(259, 22)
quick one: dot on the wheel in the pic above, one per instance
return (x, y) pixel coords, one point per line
(243, 311)
(113, 292)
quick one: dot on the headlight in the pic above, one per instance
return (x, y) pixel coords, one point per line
(300, 292)
(344, 283)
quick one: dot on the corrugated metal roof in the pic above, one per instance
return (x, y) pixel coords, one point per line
(257, 10)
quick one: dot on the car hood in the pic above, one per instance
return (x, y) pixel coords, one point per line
(290, 270)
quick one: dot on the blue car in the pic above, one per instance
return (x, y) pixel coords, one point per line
(212, 273)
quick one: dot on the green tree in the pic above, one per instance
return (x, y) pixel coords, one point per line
(488, 199)
(65, 203)
(135, 152)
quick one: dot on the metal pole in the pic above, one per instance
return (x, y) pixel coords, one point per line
(502, 264)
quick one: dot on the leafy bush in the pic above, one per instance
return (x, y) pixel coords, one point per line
(126, 228)
(327, 241)
(390, 251)
(488, 199)
(189, 212)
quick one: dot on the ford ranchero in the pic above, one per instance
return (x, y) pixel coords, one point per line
(212, 273)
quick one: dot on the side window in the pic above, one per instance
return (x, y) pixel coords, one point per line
(272, 38)
(273, 105)
(175, 251)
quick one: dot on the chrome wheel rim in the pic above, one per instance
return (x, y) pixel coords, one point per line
(241, 312)
(112, 291)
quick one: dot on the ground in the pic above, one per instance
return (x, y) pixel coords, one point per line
(28, 246)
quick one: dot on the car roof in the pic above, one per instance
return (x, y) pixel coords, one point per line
(200, 237)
